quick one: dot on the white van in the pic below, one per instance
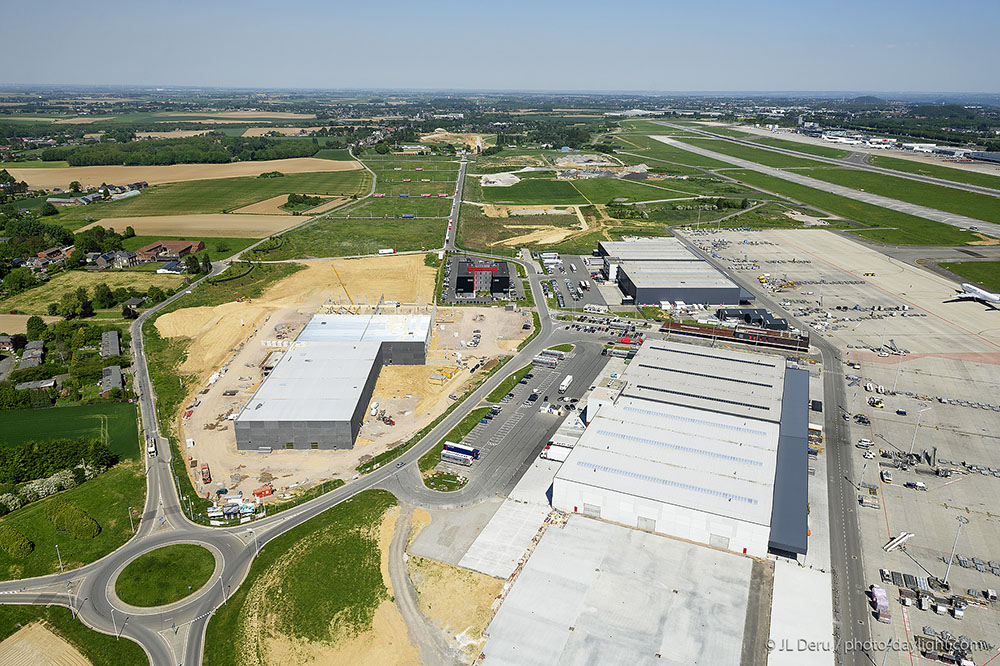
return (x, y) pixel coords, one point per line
(865, 443)
(886, 476)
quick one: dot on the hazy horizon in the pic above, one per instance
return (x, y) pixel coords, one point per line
(637, 46)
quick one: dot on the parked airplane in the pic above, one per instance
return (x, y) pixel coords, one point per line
(971, 291)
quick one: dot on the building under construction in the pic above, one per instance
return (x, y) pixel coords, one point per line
(316, 395)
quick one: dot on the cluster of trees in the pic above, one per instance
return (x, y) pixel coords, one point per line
(36, 460)
(10, 186)
(492, 150)
(559, 134)
(28, 236)
(303, 200)
(213, 148)
(70, 518)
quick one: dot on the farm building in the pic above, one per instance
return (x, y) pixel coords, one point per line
(110, 344)
(651, 271)
(111, 379)
(704, 444)
(169, 250)
(316, 395)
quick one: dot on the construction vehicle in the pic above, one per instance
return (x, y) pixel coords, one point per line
(206, 474)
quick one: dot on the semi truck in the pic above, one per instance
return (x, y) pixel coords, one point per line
(463, 449)
(555, 452)
(567, 380)
(387, 251)
(545, 361)
(456, 458)
(555, 353)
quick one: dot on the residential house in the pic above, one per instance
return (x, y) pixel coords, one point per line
(110, 344)
(6, 344)
(37, 385)
(111, 378)
(35, 344)
(135, 302)
(31, 358)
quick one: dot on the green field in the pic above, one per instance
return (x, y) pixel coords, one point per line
(165, 575)
(397, 206)
(758, 155)
(394, 189)
(105, 498)
(335, 154)
(822, 151)
(340, 548)
(648, 148)
(223, 194)
(534, 191)
(476, 231)
(342, 238)
(36, 299)
(112, 422)
(398, 176)
(99, 649)
(33, 164)
(986, 273)
(429, 460)
(938, 197)
(727, 131)
(883, 225)
(565, 347)
(936, 171)
(508, 384)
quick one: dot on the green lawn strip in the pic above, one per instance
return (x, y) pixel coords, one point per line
(105, 498)
(799, 146)
(219, 195)
(215, 248)
(318, 581)
(396, 207)
(165, 575)
(342, 237)
(888, 226)
(728, 131)
(111, 422)
(99, 649)
(429, 460)
(649, 148)
(34, 164)
(508, 384)
(165, 355)
(986, 273)
(564, 347)
(758, 155)
(938, 197)
(936, 171)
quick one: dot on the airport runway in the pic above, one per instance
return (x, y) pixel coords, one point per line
(960, 221)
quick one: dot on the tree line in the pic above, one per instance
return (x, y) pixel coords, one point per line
(209, 149)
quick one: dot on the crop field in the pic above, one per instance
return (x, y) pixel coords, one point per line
(433, 175)
(877, 223)
(105, 498)
(758, 155)
(396, 207)
(343, 238)
(223, 194)
(114, 423)
(37, 299)
(280, 600)
(335, 154)
(93, 176)
(658, 154)
(414, 189)
(986, 273)
(802, 147)
(936, 171)
(939, 197)
(208, 225)
(534, 191)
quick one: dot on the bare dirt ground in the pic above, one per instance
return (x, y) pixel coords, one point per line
(155, 175)
(82, 120)
(386, 642)
(461, 139)
(15, 324)
(806, 220)
(286, 131)
(272, 206)
(459, 601)
(36, 645)
(222, 225)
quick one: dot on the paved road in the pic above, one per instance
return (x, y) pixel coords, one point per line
(851, 611)
(456, 207)
(855, 160)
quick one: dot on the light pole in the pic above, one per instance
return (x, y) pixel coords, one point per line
(962, 520)
(255, 544)
(114, 622)
(899, 363)
(223, 591)
(131, 524)
(914, 440)
(60, 558)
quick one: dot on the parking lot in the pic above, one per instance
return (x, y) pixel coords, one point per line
(562, 281)
(933, 428)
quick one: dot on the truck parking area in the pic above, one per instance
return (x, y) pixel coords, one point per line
(929, 471)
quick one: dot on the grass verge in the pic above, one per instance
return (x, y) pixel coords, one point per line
(338, 547)
(99, 649)
(505, 387)
(564, 347)
(165, 575)
(986, 273)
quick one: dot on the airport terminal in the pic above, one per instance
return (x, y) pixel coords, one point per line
(316, 395)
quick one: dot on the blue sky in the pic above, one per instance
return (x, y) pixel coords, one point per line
(885, 45)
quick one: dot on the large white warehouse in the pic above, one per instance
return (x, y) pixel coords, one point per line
(700, 443)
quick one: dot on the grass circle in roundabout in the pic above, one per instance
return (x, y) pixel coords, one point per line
(165, 575)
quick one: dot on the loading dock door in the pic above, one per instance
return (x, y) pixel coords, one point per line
(592, 510)
(647, 524)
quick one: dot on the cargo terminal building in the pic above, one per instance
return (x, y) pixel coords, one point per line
(651, 271)
(704, 444)
(482, 275)
(316, 395)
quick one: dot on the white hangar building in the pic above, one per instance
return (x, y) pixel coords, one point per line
(700, 443)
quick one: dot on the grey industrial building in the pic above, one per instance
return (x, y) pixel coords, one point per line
(754, 317)
(316, 395)
(654, 271)
(701, 443)
(482, 275)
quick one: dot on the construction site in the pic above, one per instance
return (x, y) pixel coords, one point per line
(236, 346)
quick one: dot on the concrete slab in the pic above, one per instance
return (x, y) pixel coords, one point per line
(452, 531)
(535, 487)
(801, 617)
(501, 545)
(597, 593)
